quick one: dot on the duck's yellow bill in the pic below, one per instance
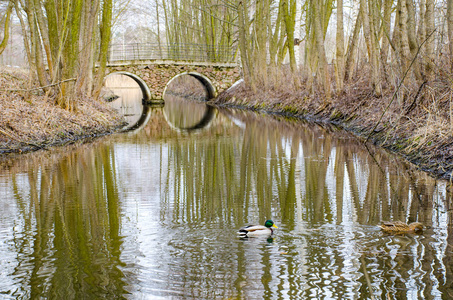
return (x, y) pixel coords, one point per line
(274, 226)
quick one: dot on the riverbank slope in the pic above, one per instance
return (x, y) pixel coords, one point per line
(418, 125)
(421, 129)
(29, 120)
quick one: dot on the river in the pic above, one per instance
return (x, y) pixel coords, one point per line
(152, 213)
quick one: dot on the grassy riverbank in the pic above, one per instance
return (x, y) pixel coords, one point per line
(418, 126)
(29, 120)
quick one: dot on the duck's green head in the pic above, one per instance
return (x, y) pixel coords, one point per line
(270, 223)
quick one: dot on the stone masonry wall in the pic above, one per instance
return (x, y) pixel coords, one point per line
(157, 76)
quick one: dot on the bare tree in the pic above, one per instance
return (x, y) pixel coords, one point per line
(63, 40)
(340, 47)
(6, 25)
(450, 28)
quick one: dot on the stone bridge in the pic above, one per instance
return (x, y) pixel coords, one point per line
(154, 77)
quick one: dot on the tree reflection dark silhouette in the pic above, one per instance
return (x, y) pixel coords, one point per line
(264, 171)
(72, 219)
(178, 198)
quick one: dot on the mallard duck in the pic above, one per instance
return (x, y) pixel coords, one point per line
(400, 227)
(257, 230)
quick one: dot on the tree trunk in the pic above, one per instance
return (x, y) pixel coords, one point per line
(44, 36)
(4, 42)
(158, 30)
(168, 30)
(403, 50)
(106, 29)
(421, 33)
(70, 55)
(275, 37)
(319, 37)
(412, 37)
(26, 38)
(368, 31)
(429, 21)
(352, 48)
(340, 47)
(260, 36)
(396, 37)
(35, 45)
(54, 36)
(289, 16)
(66, 32)
(243, 45)
(413, 43)
(85, 72)
(282, 47)
(385, 34)
(404, 39)
(450, 29)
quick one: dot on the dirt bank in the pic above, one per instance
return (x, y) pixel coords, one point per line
(29, 120)
(417, 125)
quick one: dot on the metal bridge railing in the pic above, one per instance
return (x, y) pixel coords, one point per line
(178, 52)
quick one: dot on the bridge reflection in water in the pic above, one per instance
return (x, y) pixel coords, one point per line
(153, 213)
(128, 101)
(125, 96)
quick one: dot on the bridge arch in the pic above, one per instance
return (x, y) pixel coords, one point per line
(159, 74)
(209, 87)
(141, 83)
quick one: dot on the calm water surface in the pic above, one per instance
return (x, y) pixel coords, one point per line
(153, 213)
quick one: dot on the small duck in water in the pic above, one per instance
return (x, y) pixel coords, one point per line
(257, 230)
(400, 227)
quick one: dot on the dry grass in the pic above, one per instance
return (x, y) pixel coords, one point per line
(29, 120)
(418, 125)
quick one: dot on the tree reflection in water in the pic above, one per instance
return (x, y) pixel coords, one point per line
(154, 213)
(66, 231)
